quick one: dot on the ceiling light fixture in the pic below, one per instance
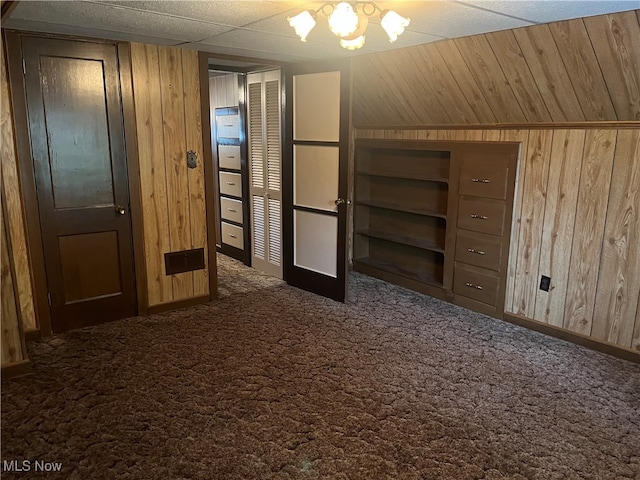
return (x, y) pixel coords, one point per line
(348, 21)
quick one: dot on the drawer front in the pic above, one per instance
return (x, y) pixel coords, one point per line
(481, 215)
(476, 283)
(229, 156)
(231, 184)
(479, 249)
(227, 126)
(231, 209)
(232, 235)
(487, 178)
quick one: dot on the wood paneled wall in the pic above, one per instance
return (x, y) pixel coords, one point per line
(576, 220)
(168, 117)
(582, 70)
(12, 196)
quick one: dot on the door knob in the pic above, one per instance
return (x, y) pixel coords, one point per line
(340, 201)
(120, 210)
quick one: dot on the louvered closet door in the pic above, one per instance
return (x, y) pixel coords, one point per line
(265, 161)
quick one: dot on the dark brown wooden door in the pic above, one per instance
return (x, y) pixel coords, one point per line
(315, 177)
(77, 142)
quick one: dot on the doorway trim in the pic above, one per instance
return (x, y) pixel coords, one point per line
(13, 51)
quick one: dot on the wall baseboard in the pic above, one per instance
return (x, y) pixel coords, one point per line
(578, 339)
(189, 302)
(16, 369)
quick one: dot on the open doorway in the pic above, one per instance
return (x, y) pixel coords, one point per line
(245, 107)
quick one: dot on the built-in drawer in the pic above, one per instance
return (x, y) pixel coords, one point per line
(484, 179)
(227, 126)
(481, 215)
(229, 156)
(231, 184)
(476, 283)
(231, 209)
(232, 235)
(479, 249)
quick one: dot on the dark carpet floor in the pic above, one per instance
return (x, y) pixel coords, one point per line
(271, 382)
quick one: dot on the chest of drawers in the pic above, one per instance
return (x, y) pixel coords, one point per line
(486, 184)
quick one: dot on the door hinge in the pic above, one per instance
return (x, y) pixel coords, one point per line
(24, 67)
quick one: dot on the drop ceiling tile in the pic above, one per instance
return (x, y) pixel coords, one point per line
(452, 19)
(543, 11)
(115, 18)
(84, 32)
(223, 12)
(261, 42)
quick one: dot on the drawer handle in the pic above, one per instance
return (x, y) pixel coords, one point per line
(232, 210)
(231, 156)
(471, 285)
(478, 180)
(232, 235)
(473, 250)
(230, 183)
(479, 217)
(228, 124)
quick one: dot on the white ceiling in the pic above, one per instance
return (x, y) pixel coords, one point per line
(259, 29)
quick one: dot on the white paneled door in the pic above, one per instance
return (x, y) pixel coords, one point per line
(264, 106)
(315, 170)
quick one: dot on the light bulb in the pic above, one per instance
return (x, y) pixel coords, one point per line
(393, 24)
(303, 23)
(343, 21)
(354, 44)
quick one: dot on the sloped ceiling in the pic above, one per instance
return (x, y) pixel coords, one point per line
(259, 29)
(580, 70)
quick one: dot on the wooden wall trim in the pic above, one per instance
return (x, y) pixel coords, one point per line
(133, 170)
(578, 339)
(27, 180)
(209, 177)
(169, 306)
(16, 369)
(504, 126)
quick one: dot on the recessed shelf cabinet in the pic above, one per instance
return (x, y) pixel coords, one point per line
(436, 217)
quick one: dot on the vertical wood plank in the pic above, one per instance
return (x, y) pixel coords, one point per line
(410, 135)
(11, 336)
(551, 77)
(486, 70)
(447, 134)
(491, 135)
(427, 134)
(172, 88)
(559, 219)
(531, 221)
(616, 42)
(393, 134)
(460, 71)
(587, 80)
(522, 137)
(469, 135)
(378, 134)
(635, 344)
(153, 187)
(14, 208)
(510, 59)
(444, 85)
(595, 181)
(195, 176)
(619, 276)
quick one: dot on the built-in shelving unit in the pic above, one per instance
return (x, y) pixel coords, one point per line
(232, 176)
(435, 217)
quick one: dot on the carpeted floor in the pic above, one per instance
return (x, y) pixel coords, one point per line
(271, 382)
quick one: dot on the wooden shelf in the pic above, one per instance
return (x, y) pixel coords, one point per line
(402, 208)
(425, 244)
(422, 276)
(405, 175)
